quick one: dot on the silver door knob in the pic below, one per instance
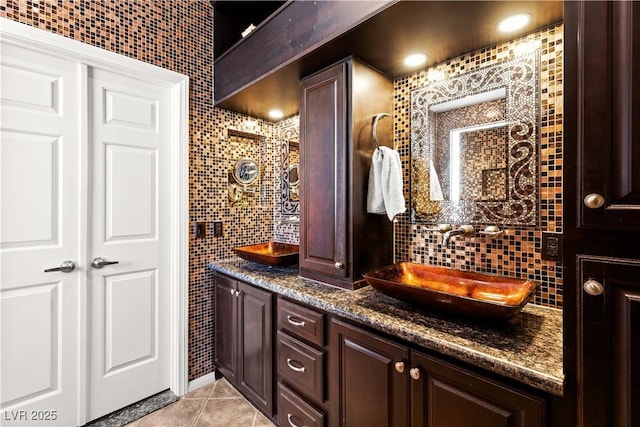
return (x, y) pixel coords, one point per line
(593, 287)
(339, 265)
(65, 267)
(593, 201)
(100, 262)
(414, 373)
(399, 367)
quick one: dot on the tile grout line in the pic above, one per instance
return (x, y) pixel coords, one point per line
(206, 400)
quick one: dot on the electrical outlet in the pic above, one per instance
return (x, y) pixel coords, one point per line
(217, 228)
(199, 229)
(552, 246)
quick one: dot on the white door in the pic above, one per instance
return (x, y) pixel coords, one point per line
(130, 134)
(86, 172)
(40, 226)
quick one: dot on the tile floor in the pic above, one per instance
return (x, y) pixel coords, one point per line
(216, 404)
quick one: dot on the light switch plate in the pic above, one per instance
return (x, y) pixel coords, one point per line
(552, 246)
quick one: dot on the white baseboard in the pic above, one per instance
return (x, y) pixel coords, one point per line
(202, 381)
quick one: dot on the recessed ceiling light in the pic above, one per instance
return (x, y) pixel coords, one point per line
(276, 114)
(514, 22)
(415, 59)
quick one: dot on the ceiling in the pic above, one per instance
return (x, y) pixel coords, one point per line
(441, 29)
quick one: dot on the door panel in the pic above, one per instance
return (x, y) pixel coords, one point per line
(33, 161)
(369, 389)
(31, 369)
(130, 326)
(609, 150)
(130, 133)
(226, 325)
(255, 366)
(323, 156)
(609, 374)
(130, 211)
(39, 211)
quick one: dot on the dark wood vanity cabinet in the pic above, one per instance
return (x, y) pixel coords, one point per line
(301, 365)
(601, 262)
(338, 240)
(243, 339)
(444, 395)
(382, 383)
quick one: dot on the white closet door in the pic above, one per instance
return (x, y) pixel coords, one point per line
(130, 134)
(40, 229)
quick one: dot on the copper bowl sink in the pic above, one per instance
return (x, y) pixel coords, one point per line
(270, 253)
(475, 295)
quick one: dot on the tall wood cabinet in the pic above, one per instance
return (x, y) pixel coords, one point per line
(602, 212)
(338, 240)
(243, 342)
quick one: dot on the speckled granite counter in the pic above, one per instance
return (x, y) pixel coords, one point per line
(528, 348)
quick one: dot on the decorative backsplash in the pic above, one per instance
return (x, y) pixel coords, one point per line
(518, 252)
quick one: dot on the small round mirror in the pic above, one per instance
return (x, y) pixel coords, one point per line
(245, 171)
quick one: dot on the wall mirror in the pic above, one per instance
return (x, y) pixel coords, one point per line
(474, 146)
(290, 169)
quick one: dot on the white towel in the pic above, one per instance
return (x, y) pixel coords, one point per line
(385, 184)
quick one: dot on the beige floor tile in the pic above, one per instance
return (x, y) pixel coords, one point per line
(227, 413)
(262, 421)
(200, 393)
(222, 390)
(179, 414)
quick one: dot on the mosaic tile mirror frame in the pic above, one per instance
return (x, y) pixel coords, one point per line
(474, 146)
(290, 165)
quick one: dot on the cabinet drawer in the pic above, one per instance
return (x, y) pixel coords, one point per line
(301, 366)
(293, 411)
(301, 322)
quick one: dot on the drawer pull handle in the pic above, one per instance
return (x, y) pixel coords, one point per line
(294, 367)
(295, 322)
(291, 423)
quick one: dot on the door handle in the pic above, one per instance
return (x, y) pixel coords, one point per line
(100, 262)
(65, 267)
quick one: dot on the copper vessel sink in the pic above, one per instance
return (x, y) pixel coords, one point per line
(270, 253)
(475, 295)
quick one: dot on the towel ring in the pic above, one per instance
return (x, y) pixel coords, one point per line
(374, 129)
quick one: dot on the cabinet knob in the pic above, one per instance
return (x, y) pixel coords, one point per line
(339, 265)
(399, 367)
(593, 287)
(593, 201)
(414, 373)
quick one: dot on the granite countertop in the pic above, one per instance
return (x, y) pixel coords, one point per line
(527, 348)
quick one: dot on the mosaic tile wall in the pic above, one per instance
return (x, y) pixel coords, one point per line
(285, 130)
(177, 35)
(518, 252)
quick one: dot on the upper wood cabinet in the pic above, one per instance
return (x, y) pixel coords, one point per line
(338, 240)
(606, 59)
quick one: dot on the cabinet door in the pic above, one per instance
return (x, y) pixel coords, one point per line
(609, 339)
(255, 349)
(370, 386)
(608, 127)
(323, 197)
(226, 315)
(444, 395)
